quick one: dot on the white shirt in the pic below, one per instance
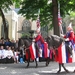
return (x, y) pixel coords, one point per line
(2, 54)
(9, 53)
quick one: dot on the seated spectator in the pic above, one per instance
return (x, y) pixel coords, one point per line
(13, 48)
(21, 53)
(2, 55)
(10, 55)
(13, 43)
(16, 55)
(7, 42)
(6, 48)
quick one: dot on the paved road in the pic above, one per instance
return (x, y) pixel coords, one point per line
(19, 69)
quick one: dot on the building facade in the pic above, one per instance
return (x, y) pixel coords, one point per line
(15, 23)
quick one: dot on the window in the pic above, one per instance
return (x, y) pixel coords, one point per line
(2, 29)
(26, 25)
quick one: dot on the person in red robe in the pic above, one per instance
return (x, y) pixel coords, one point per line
(39, 38)
(41, 42)
(69, 36)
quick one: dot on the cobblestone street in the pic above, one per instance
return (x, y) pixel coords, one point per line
(20, 69)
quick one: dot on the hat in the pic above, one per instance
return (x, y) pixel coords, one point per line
(70, 25)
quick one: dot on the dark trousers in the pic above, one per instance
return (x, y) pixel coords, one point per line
(68, 48)
(11, 60)
(3, 60)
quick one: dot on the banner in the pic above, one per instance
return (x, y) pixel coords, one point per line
(64, 56)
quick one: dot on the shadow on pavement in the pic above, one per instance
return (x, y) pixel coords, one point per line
(62, 73)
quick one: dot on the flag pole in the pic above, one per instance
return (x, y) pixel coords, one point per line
(38, 21)
(59, 19)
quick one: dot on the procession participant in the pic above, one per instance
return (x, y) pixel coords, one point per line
(41, 43)
(38, 38)
(69, 38)
(67, 58)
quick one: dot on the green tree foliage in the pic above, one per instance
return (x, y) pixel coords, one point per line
(48, 11)
(66, 6)
(17, 3)
(4, 4)
(30, 8)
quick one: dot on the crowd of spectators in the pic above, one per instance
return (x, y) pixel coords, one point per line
(10, 52)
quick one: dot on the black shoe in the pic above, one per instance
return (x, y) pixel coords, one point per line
(58, 71)
(74, 71)
(67, 71)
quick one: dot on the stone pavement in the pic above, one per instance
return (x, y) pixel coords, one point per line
(20, 69)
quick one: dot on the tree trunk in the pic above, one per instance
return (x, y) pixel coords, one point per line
(55, 17)
(4, 23)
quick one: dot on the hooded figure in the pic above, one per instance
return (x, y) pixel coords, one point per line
(66, 55)
(70, 33)
(69, 38)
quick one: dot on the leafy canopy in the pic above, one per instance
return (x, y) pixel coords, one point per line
(30, 9)
(4, 4)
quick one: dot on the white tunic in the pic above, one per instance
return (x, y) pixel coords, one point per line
(2, 54)
(9, 54)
